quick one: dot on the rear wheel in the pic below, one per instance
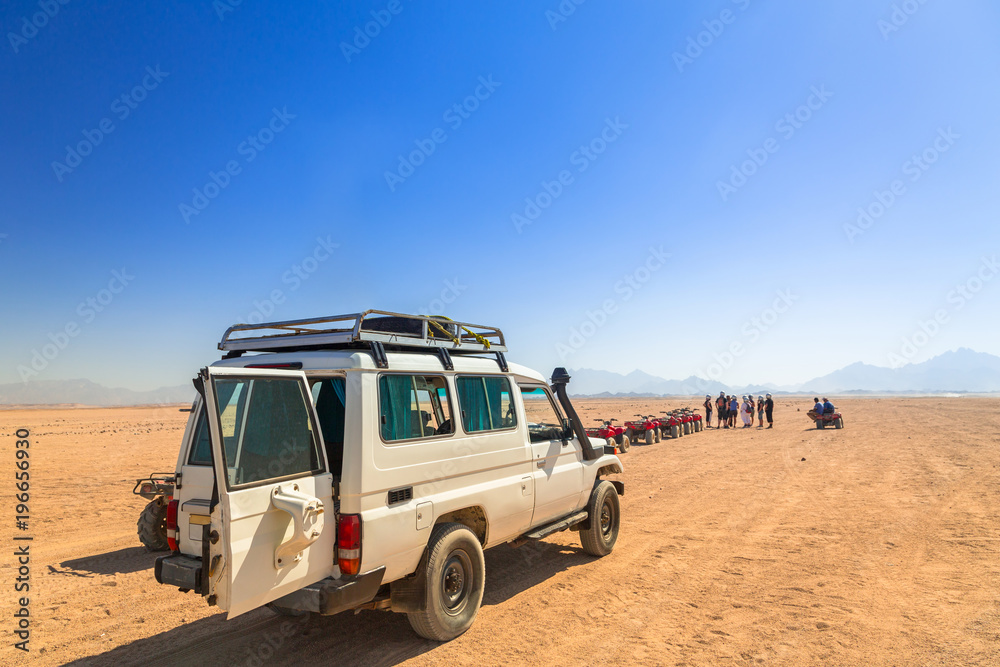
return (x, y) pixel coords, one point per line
(649, 436)
(605, 517)
(152, 525)
(611, 443)
(656, 434)
(455, 575)
(625, 444)
(675, 431)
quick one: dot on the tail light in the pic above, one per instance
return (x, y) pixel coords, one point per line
(172, 525)
(349, 543)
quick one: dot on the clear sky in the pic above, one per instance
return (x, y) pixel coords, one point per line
(523, 164)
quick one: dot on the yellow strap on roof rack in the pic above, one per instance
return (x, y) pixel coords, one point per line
(482, 340)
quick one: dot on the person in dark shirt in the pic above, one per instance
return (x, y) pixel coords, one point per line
(708, 410)
(769, 411)
(753, 407)
(721, 403)
(828, 408)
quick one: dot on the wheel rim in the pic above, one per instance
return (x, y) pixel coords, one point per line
(456, 582)
(607, 519)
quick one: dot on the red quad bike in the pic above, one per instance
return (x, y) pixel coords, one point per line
(615, 435)
(671, 425)
(697, 423)
(822, 421)
(690, 420)
(645, 428)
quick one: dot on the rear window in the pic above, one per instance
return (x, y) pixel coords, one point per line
(266, 429)
(485, 402)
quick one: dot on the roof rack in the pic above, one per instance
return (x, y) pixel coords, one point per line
(375, 329)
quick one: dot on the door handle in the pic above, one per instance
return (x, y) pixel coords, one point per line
(307, 523)
(541, 463)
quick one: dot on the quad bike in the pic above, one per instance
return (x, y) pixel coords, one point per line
(158, 489)
(671, 425)
(646, 428)
(615, 435)
(822, 421)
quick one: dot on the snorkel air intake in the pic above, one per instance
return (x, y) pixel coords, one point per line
(560, 378)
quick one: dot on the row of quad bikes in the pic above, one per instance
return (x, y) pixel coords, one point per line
(648, 428)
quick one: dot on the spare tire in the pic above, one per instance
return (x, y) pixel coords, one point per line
(152, 525)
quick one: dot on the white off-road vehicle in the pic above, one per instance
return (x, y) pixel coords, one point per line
(366, 461)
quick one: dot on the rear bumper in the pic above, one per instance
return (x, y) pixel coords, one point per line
(332, 596)
(180, 571)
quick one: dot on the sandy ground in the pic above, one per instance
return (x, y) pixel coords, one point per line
(874, 545)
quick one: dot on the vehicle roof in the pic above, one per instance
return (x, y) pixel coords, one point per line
(358, 360)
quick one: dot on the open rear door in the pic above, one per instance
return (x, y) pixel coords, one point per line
(272, 529)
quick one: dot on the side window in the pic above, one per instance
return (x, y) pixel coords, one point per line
(413, 406)
(266, 429)
(544, 420)
(201, 446)
(486, 403)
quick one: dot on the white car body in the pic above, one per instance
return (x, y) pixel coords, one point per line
(243, 545)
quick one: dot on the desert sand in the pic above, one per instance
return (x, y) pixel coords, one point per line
(878, 544)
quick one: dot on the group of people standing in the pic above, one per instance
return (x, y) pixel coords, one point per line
(728, 407)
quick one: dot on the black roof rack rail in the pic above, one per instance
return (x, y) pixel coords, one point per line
(363, 330)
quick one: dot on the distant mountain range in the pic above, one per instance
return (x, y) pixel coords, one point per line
(85, 392)
(961, 371)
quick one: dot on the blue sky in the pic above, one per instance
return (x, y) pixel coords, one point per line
(643, 125)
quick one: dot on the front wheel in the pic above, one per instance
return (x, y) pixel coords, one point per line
(455, 574)
(839, 423)
(625, 443)
(649, 436)
(656, 434)
(605, 517)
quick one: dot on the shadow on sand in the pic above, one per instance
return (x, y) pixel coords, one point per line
(123, 561)
(367, 638)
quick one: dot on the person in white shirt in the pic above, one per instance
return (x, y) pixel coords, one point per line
(745, 412)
